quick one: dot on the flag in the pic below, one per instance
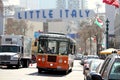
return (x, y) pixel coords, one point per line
(116, 4)
(98, 22)
(108, 1)
(112, 2)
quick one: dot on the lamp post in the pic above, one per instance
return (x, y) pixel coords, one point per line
(107, 34)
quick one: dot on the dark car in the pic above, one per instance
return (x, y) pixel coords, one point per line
(110, 69)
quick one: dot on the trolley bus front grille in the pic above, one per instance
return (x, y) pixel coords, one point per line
(51, 58)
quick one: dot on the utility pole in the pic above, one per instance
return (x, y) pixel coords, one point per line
(107, 34)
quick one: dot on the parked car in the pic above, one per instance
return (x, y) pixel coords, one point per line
(88, 57)
(93, 65)
(92, 56)
(78, 56)
(110, 69)
(83, 58)
(86, 65)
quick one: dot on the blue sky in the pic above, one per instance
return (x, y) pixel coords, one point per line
(51, 4)
(38, 4)
(47, 4)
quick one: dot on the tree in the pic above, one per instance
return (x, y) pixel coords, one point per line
(87, 31)
(83, 36)
(18, 27)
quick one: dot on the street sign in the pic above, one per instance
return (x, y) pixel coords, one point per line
(54, 14)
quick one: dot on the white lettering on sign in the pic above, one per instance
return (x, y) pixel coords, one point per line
(51, 14)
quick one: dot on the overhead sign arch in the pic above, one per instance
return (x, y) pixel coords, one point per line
(54, 14)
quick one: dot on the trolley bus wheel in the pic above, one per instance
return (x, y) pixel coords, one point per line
(70, 70)
(65, 72)
(39, 70)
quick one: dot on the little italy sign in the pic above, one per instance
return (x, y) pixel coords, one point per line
(54, 14)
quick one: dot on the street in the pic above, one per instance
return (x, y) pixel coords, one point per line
(31, 73)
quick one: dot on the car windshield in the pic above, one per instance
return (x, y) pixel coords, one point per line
(94, 64)
(9, 49)
(91, 57)
(115, 70)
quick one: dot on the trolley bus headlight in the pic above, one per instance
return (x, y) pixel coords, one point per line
(39, 59)
(51, 64)
(65, 61)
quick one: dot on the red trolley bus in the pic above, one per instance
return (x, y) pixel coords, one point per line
(55, 52)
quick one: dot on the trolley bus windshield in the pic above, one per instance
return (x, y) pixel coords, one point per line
(51, 44)
(53, 47)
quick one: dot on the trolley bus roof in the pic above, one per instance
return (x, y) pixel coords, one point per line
(56, 35)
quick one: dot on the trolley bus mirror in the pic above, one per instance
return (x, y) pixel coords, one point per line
(71, 46)
(72, 49)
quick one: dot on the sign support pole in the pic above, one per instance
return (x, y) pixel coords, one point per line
(45, 27)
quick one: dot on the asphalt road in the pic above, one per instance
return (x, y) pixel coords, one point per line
(31, 73)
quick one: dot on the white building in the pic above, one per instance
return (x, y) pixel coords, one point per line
(117, 27)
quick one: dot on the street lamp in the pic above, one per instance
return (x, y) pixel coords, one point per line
(107, 34)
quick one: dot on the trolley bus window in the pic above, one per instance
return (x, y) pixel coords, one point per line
(47, 46)
(52, 47)
(42, 46)
(63, 48)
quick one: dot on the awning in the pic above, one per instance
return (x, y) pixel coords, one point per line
(108, 51)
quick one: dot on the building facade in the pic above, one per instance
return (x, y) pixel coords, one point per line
(73, 4)
(61, 4)
(117, 28)
(1, 18)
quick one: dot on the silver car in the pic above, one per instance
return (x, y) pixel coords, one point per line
(110, 69)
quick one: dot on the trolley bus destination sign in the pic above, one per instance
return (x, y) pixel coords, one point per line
(52, 14)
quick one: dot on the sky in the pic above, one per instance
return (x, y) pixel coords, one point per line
(93, 3)
(48, 4)
(51, 4)
(11, 2)
(38, 4)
